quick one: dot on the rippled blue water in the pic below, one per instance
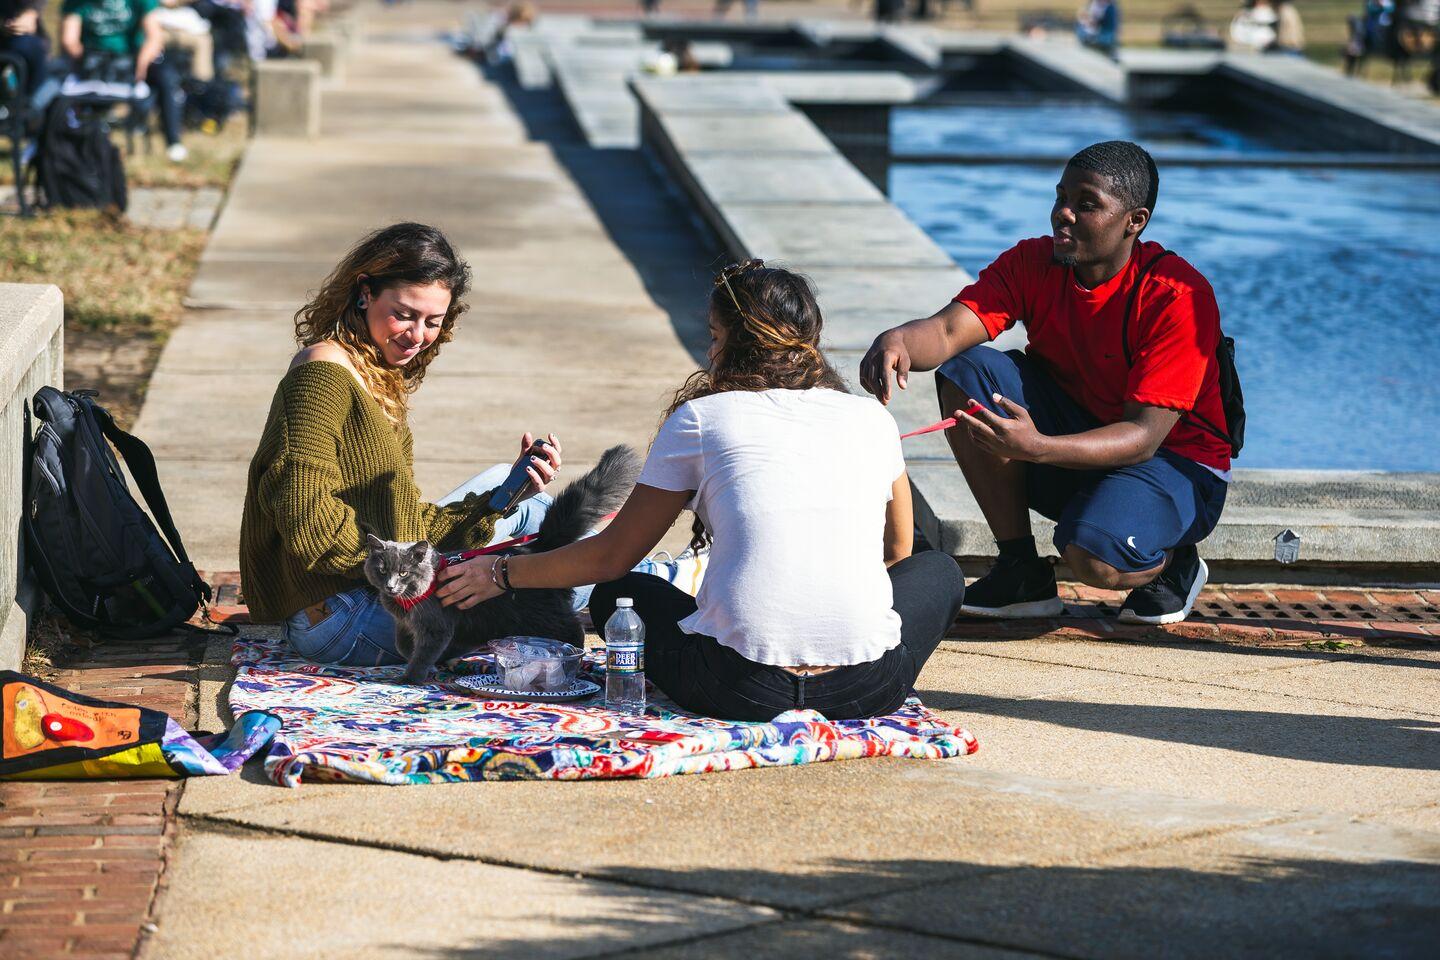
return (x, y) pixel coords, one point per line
(1328, 279)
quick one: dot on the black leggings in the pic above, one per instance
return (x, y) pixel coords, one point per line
(706, 677)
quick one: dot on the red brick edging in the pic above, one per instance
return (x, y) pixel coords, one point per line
(81, 862)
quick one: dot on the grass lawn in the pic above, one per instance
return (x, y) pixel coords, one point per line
(123, 289)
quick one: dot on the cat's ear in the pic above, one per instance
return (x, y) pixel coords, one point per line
(375, 542)
(421, 549)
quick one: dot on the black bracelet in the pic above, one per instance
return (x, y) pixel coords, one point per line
(503, 565)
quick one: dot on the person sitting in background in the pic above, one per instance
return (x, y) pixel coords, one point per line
(813, 599)
(22, 33)
(98, 33)
(267, 33)
(1254, 26)
(186, 29)
(1098, 26)
(1289, 31)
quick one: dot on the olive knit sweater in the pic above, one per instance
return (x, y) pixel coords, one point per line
(329, 462)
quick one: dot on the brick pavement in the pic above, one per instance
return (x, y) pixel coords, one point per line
(80, 863)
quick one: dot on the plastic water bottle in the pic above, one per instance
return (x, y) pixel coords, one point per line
(625, 659)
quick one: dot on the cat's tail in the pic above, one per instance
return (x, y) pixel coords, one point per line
(588, 500)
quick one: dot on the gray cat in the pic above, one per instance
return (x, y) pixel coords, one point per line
(427, 632)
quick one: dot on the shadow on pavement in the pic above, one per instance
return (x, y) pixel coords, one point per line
(655, 232)
(1400, 743)
(1224, 906)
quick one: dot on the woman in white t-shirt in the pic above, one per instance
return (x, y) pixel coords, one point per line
(812, 598)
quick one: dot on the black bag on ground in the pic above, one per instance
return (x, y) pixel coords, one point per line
(96, 553)
(210, 100)
(76, 164)
(1232, 397)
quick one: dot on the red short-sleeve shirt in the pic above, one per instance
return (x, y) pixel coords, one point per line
(1075, 335)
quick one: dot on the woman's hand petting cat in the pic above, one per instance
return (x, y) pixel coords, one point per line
(465, 584)
(542, 471)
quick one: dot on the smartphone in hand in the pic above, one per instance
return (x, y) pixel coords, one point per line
(518, 484)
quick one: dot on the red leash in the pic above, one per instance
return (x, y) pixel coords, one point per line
(945, 424)
(446, 559)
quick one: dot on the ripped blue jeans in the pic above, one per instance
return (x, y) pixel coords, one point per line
(353, 629)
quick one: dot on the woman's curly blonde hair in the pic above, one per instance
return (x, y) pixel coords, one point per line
(403, 253)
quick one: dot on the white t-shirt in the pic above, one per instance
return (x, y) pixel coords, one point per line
(793, 486)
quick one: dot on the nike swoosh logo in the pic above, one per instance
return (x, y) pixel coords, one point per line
(1130, 542)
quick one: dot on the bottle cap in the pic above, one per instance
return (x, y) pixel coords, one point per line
(624, 602)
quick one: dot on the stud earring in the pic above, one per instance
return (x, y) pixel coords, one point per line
(360, 303)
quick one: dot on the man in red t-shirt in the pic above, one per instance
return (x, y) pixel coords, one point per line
(1110, 422)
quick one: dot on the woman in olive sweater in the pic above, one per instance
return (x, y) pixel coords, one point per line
(335, 458)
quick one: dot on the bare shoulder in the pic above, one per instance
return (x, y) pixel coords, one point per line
(324, 350)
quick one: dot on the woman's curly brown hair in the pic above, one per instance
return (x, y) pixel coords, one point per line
(771, 326)
(403, 253)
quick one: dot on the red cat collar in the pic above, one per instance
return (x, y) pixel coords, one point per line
(410, 603)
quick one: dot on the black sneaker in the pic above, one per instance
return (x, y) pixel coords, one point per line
(1169, 597)
(1014, 589)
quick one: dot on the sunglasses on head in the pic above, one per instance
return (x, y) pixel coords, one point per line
(734, 270)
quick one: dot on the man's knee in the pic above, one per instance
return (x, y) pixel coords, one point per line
(1094, 572)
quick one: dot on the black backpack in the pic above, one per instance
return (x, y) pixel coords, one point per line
(1232, 397)
(76, 164)
(95, 551)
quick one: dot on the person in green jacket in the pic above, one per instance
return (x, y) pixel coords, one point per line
(335, 458)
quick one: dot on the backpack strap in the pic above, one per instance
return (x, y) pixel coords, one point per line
(142, 467)
(1144, 271)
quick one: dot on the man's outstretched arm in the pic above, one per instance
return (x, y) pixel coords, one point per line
(919, 345)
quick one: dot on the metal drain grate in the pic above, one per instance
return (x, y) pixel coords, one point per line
(1212, 609)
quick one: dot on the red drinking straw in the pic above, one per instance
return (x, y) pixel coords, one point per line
(945, 424)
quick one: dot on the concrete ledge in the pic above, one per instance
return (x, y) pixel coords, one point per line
(287, 98)
(329, 52)
(31, 356)
(1335, 515)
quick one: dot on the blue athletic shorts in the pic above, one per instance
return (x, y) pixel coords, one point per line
(1128, 517)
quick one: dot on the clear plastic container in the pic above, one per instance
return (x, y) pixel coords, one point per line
(535, 664)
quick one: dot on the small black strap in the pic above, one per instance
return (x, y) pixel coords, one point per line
(142, 467)
(1130, 306)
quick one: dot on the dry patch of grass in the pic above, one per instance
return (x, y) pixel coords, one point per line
(50, 642)
(123, 286)
(211, 163)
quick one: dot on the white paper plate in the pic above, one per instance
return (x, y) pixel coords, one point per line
(488, 685)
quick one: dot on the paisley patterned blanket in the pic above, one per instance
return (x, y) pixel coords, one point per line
(357, 724)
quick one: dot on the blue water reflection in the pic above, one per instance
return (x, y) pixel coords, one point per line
(1328, 279)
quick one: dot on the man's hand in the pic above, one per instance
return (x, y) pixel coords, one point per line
(1014, 437)
(888, 353)
(465, 584)
(23, 24)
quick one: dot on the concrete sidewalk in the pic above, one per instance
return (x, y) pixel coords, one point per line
(1127, 800)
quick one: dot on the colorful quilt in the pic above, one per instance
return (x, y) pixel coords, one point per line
(358, 724)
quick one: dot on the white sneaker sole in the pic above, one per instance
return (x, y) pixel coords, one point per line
(1018, 611)
(1130, 616)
